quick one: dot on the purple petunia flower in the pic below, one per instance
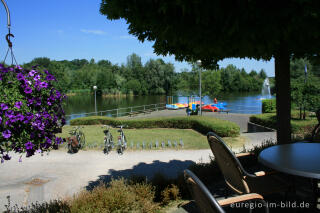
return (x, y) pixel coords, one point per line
(38, 151)
(38, 101)
(18, 104)
(48, 140)
(4, 106)
(20, 77)
(6, 134)
(4, 70)
(50, 77)
(58, 94)
(20, 117)
(0, 120)
(43, 85)
(28, 90)
(36, 77)
(30, 152)
(28, 145)
(32, 73)
(6, 157)
(59, 140)
(9, 114)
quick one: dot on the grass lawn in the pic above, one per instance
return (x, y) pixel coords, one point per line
(191, 139)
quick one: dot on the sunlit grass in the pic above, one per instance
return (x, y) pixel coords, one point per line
(191, 139)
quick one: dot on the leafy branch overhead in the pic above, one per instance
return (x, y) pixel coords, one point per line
(214, 30)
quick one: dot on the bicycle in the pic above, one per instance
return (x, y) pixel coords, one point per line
(77, 140)
(108, 140)
(122, 141)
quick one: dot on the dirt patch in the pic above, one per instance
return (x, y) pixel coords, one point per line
(37, 182)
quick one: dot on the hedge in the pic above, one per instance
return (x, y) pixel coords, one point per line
(201, 124)
(268, 105)
(270, 120)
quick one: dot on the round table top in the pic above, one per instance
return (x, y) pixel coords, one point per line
(302, 159)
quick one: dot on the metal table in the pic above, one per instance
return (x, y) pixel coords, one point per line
(301, 159)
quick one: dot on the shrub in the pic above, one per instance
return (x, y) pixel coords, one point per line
(53, 206)
(300, 127)
(268, 105)
(170, 193)
(30, 111)
(118, 196)
(201, 124)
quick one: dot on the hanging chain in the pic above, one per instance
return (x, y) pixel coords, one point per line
(13, 58)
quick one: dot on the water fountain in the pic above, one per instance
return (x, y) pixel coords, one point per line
(265, 91)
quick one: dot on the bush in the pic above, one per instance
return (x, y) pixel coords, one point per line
(53, 206)
(201, 124)
(300, 127)
(119, 196)
(170, 193)
(269, 105)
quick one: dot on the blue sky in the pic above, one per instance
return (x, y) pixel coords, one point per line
(74, 29)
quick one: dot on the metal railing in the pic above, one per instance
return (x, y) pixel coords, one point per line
(123, 111)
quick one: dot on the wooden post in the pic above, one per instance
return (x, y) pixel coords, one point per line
(283, 97)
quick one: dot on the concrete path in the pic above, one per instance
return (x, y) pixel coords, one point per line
(59, 174)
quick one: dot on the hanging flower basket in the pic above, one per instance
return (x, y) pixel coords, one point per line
(30, 111)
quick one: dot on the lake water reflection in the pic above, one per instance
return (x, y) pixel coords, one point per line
(246, 103)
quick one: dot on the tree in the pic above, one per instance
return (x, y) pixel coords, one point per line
(133, 86)
(297, 67)
(262, 74)
(211, 83)
(214, 30)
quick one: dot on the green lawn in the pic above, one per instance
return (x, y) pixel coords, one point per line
(191, 139)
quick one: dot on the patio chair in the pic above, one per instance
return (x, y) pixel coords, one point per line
(316, 129)
(207, 203)
(238, 179)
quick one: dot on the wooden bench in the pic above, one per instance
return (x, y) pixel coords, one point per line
(131, 114)
(226, 111)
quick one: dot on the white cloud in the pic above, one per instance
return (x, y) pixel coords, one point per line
(95, 32)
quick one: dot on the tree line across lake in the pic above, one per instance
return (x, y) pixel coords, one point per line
(153, 77)
(158, 77)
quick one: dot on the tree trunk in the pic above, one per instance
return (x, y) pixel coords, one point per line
(283, 96)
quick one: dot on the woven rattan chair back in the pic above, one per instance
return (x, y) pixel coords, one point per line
(204, 199)
(230, 166)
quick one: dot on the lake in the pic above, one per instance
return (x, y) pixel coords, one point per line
(245, 103)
